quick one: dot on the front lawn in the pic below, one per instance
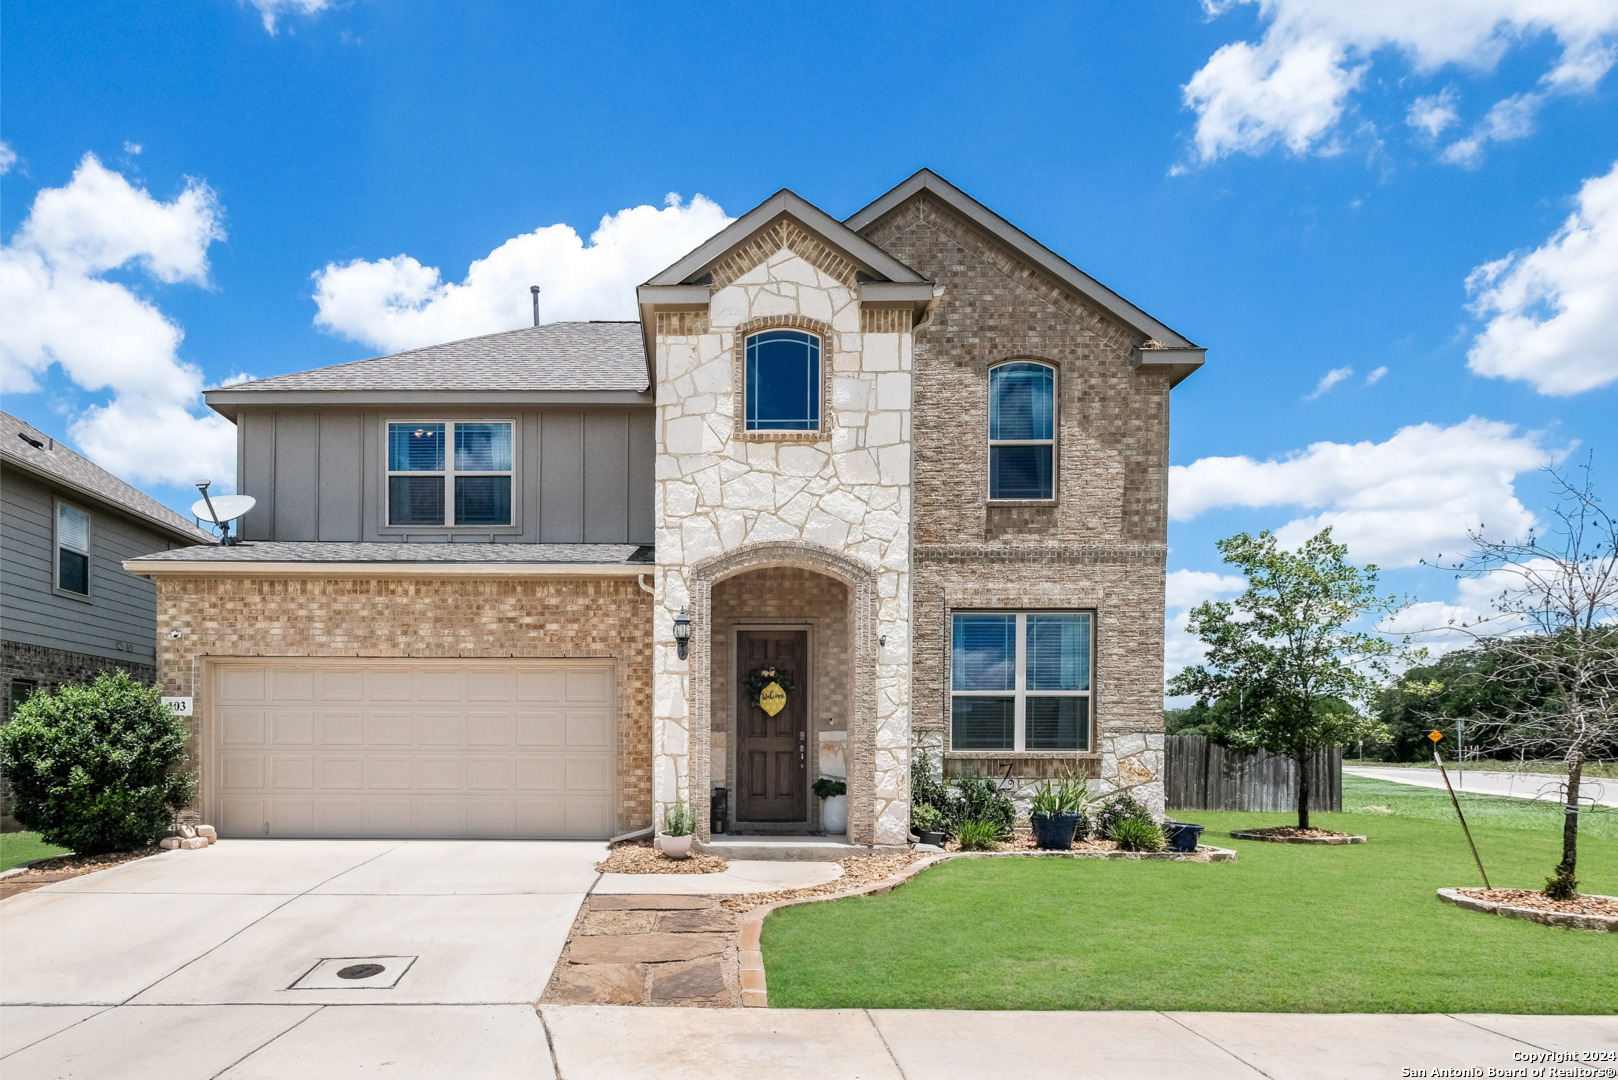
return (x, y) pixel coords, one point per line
(1285, 928)
(21, 847)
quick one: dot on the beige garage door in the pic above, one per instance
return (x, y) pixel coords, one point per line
(412, 748)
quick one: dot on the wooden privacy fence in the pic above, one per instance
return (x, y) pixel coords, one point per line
(1201, 775)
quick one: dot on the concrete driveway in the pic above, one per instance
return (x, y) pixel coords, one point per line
(210, 955)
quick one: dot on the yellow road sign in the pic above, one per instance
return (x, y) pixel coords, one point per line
(1435, 735)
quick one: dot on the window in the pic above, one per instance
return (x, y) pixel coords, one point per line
(1020, 681)
(72, 549)
(1022, 445)
(449, 473)
(783, 381)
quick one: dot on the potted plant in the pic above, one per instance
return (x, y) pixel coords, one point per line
(834, 805)
(1058, 813)
(1181, 835)
(928, 824)
(678, 824)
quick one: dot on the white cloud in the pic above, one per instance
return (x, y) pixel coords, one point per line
(398, 303)
(1329, 380)
(1553, 312)
(1376, 376)
(1432, 114)
(271, 10)
(8, 157)
(1392, 502)
(57, 308)
(1293, 86)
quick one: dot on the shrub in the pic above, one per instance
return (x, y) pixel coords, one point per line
(978, 835)
(982, 800)
(928, 790)
(828, 787)
(1116, 809)
(678, 820)
(924, 817)
(1137, 834)
(1564, 886)
(93, 768)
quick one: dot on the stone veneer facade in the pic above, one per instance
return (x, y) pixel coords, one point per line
(311, 616)
(1100, 545)
(835, 502)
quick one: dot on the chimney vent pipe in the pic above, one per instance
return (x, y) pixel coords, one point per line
(535, 290)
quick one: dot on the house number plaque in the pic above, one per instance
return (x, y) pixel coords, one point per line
(772, 699)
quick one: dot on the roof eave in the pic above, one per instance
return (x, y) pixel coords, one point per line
(229, 401)
(11, 461)
(1179, 363)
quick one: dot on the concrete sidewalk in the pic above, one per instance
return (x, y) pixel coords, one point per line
(1545, 787)
(494, 1042)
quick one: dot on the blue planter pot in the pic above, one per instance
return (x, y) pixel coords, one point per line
(1181, 836)
(1054, 832)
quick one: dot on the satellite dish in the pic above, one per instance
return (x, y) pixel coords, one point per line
(222, 509)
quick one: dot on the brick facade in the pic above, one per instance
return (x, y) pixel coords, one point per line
(1099, 545)
(425, 617)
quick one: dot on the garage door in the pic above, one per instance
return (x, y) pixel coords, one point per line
(412, 748)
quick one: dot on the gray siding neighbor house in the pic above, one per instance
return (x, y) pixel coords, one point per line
(850, 498)
(68, 608)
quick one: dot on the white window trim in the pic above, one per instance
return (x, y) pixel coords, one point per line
(56, 551)
(1021, 693)
(988, 428)
(449, 473)
(820, 382)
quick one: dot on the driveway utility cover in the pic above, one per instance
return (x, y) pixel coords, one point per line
(355, 973)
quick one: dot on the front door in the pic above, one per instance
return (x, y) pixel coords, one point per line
(772, 752)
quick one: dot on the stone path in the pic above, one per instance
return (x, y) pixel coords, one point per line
(649, 949)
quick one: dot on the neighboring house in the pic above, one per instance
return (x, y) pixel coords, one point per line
(914, 462)
(68, 608)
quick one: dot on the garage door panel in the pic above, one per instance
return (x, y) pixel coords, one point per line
(524, 749)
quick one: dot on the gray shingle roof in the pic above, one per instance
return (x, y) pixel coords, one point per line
(555, 356)
(315, 552)
(71, 470)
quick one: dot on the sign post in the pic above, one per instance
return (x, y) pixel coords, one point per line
(1435, 736)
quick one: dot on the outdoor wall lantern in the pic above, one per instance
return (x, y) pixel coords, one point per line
(682, 632)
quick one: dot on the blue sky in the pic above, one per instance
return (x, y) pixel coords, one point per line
(1302, 187)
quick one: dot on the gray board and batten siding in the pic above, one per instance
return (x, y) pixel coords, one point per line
(118, 620)
(1201, 775)
(583, 474)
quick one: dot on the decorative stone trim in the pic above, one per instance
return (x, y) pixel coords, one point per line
(1253, 834)
(1066, 553)
(1036, 765)
(782, 233)
(738, 375)
(862, 588)
(1569, 920)
(885, 320)
(755, 985)
(682, 323)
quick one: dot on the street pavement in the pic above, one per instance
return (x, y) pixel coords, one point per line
(1546, 787)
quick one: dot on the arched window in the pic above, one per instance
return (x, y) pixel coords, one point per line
(1022, 428)
(783, 381)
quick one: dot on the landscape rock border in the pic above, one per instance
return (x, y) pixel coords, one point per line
(755, 986)
(1566, 919)
(1256, 834)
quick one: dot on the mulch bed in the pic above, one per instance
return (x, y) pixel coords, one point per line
(1531, 898)
(1291, 834)
(63, 867)
(639, 857)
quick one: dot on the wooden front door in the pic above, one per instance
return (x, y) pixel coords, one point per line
(772, 752)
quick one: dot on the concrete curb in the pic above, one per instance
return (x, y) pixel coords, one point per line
(1250, 834)
(1566, 920)
(755, 987)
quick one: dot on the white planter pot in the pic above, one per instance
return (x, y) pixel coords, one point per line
(834, 814)
(677, 847)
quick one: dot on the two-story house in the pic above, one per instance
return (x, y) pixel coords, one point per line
(848, 492)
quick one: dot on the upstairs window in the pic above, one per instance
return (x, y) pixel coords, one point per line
(1020, 681)
(783, 381)
(1022, 444)
(450, 473)
(72, 549)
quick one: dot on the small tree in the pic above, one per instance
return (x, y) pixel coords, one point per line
(92, 768)
(1554, 625)
(1283, 651)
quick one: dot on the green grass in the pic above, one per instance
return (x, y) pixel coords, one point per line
(1285, 928)
(21, 847)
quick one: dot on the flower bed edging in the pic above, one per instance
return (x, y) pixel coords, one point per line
(755, 988)
(1251, 834)
(1568, 920)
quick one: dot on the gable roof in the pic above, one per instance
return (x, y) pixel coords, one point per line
(58, 466)
(559, 357)
(1161, 337)
(864, 254)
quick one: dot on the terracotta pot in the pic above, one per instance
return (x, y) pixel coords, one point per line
(677, 847)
